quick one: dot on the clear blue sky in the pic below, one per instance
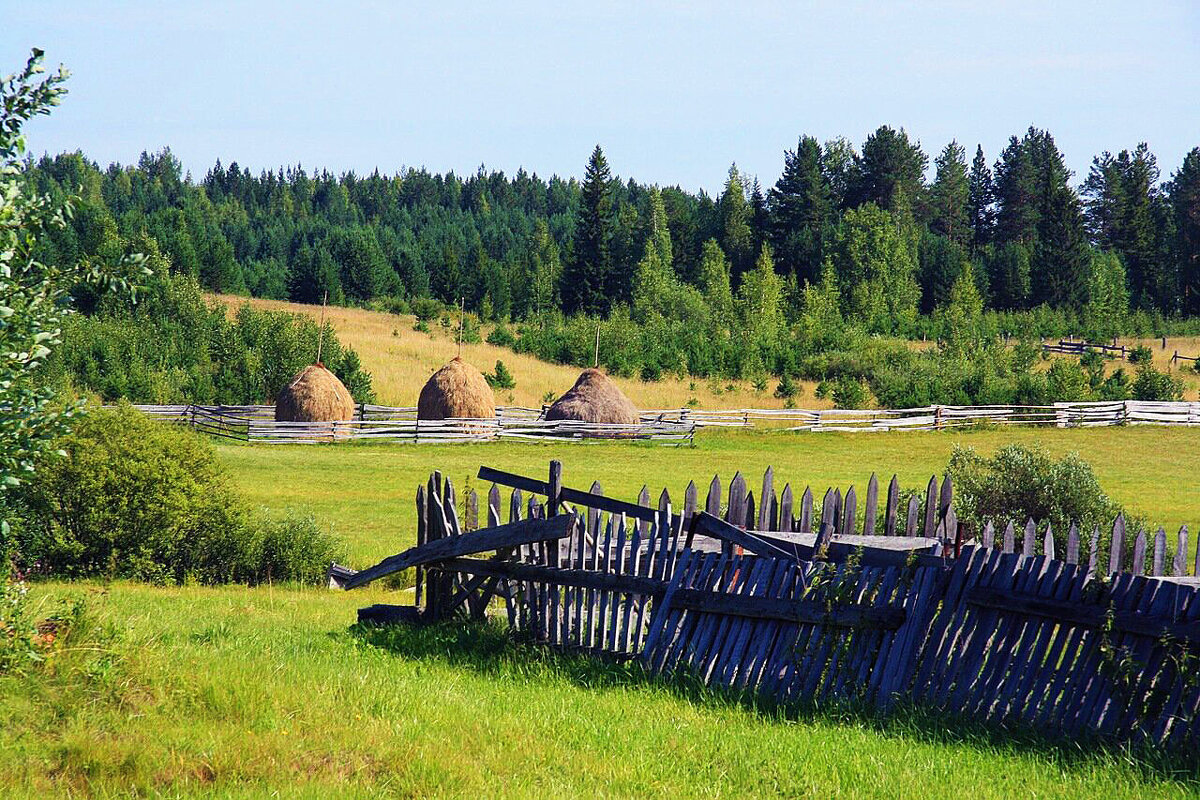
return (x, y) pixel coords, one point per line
(674, 92)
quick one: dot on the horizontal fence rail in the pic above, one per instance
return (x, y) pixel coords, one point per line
(400, 424)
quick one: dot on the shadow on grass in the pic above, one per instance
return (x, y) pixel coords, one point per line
(490, 649)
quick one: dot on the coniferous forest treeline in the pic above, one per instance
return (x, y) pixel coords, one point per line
(821, 275)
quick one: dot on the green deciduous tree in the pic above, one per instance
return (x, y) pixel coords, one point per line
(876, 270)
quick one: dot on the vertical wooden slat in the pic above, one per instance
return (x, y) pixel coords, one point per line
(1094, 551)
(764, 500)
(643, 499)
(422, 517)
(1160, 552)
(1010, 538)
(786, 520)
(893, 506)
(931, 503)
(848, 512)
(1073, 544)
(910, 523)
(988, 538)
(1048, 542)
(1029, 543)
(872, 507)
(736, 512)
(691, 501)
(946, 496)
(1139, 553)
(493, 512)
(750, 519)
(836, 518)
(471, 511)
(1179, 566)
(1116, 554)
(712, 503)
(554, 489)
(806, 510)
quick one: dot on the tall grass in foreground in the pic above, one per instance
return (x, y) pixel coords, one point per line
(237, 691)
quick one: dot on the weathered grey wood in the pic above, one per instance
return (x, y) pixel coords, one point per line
(806, 510)
(643, 500)
(946, 496)
(1029, 543)
(1010, 538)
(1094, 551)
(849, 509)
(871, 511)
(515, 506)
(890, 524)
(1048, 542)
(849, 615)
(931, 507)
(691, 500)
(787, 521)
(593, 513)
(1139, 553)
(1116, 554)
(554, 489)
(1179, 565)
(450, 508)
(1073, 544)
(712, 503)
(1160, 552)
(422, 518)
(736, 511)
(910, 523)
(493, 512)
(764, 501)
(751, 543)
(988, 537)
(836, 517)
(553, 576)
(510, 535)
(750, 516)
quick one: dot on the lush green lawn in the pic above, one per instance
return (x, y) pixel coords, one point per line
(366, 492)
(247, 692)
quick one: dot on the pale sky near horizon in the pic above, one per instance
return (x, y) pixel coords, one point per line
(674, 92)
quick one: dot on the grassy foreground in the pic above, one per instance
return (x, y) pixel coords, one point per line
(366, 492)
(240, 692)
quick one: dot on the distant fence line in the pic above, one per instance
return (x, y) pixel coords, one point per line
(400, 424)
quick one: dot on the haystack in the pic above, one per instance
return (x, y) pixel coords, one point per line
(457, 390)
(594, 398)
(314, 395)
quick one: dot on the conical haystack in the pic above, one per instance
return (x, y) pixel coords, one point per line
(456, 391)
(594, 398)
(314, 395)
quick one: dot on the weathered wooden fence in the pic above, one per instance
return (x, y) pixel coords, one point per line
(977, 628)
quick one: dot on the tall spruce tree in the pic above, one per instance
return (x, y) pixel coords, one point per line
(1185, 205)
(890, 163)
(980, 197)
(949, 197)
(587, 272)
(737, 237)
(801, 213)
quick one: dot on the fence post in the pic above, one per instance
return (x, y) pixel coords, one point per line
(554, 489)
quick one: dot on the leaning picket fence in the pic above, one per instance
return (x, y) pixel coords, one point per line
(927, 614)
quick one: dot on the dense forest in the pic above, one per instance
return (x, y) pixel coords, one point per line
(818, 275)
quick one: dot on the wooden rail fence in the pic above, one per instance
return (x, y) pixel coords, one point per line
(978, 628)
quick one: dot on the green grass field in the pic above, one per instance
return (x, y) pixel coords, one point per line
(366, 492)
(237, 692)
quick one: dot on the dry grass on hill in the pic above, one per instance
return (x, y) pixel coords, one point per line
(401, 359)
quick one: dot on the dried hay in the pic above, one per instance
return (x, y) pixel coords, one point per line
(456, 391)
(594, 398)
(314, 395)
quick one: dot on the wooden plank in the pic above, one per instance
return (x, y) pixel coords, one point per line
(893, 503)
(493, 510)
(946, 496)
(471, 511)
(1029, 543)
(1073, 544)
(1116, 554)
(764, 500)
(751, 543)
(806, 511)
(712, 502)
(1094, 551)
(749, 521)
(480, 541)
(691, 501)
(787, 521)
(1010, 538)
(647, 515)
(1160, 552)
(1139, 553)
(872, 506)
(910, 524)
(1048, 542)
(931, 501)
(988, 537)
(513, 481)
(554, 489)
(1179, 563)
(849, 510)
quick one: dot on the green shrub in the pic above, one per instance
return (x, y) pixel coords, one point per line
(501, 336)
(1154, 385)
(849, 393)
(134, 498)
(1019, 483)
(426, 308)
(787, 388)
(1140, 355)
(501, 378)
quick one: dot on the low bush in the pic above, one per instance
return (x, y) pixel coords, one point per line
(1018, 483)
(501, 336)
(501, 378)
(1154, 385)
(133, 498)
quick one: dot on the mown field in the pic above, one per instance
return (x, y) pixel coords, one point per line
(251, 692)
(366, 492)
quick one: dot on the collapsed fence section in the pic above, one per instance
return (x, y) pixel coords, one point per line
(987, 632)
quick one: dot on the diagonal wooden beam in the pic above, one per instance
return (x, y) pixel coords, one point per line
(502, 536)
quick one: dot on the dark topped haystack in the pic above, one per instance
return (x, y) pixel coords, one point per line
(314, 395)
(456, 391)
(594, 398)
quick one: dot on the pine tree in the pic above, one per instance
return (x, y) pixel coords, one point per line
(1185, 203)
(590, 262)
(800, 211)
(737, 237)
(890, 163)
(759, 220)
(1016, 195)
(949, 197)
(980, 196)
(1060, 260)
